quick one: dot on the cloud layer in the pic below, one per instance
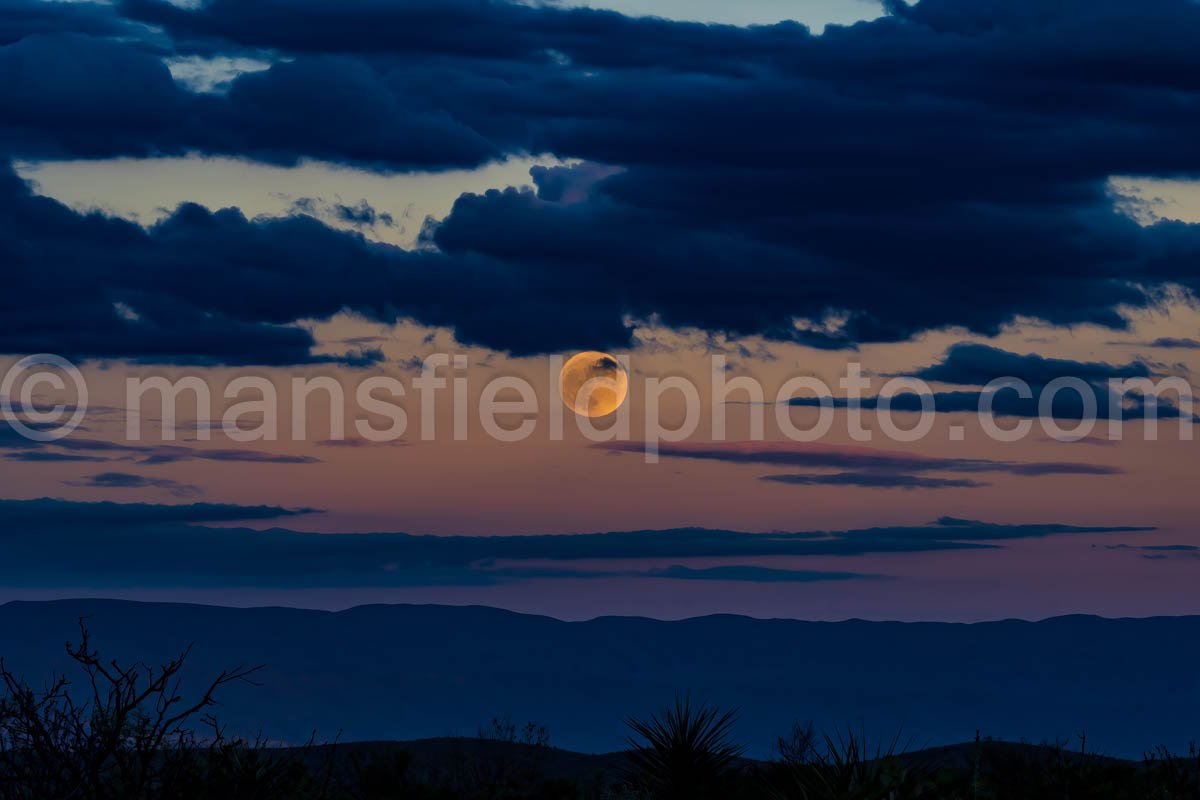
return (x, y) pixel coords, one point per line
(977, 365)
(836, 189)
(58, 543)
(859, 466)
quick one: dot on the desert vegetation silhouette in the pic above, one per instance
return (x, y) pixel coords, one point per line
(684, 752)
(131, 732)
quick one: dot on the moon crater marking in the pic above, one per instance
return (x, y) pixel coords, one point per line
(593, 384)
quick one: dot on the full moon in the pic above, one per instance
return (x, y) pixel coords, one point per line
(593, 384)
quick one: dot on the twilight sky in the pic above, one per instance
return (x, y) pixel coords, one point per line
(947, 190)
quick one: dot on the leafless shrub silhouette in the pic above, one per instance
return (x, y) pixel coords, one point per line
(124, 732)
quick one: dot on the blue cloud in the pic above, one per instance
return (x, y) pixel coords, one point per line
(889, 463)
(874, 480)
(868, 179)
(49, 542)
(127, 480)
(972, 364)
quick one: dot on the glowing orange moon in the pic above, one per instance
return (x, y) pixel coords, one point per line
(593, 384)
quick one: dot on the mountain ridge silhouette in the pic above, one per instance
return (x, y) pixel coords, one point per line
(394, 672)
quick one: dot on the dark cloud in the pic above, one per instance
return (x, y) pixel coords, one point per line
(1187, 548)
(482, 34)
(358, 443)
(976, 530)
(170, 454)
(49, 512)
(1175, 343)
(1161, 552)
(881, 462)
(197, 288)
(126, 480)
(732, 572)
(23, 18)
(748, 574)
(48, 541)
(338, 109)
(43, 456)
(74, 95)
(10, 438)
(1066, 405)
(76, 449)
(569, 184)
(971, 364)
(864, 181)
(361, 215)
(119, 290)
(71, 95)
(874, 480)
(1035, 468)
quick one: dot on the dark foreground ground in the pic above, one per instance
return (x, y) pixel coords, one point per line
(444, 754)
(847, 769)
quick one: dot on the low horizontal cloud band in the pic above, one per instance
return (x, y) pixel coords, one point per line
(53, 543)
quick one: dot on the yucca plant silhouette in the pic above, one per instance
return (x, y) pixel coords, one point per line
(849, 768)
(684, 752)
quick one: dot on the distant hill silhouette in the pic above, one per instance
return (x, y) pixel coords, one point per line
(445, 753)
(405, 672)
